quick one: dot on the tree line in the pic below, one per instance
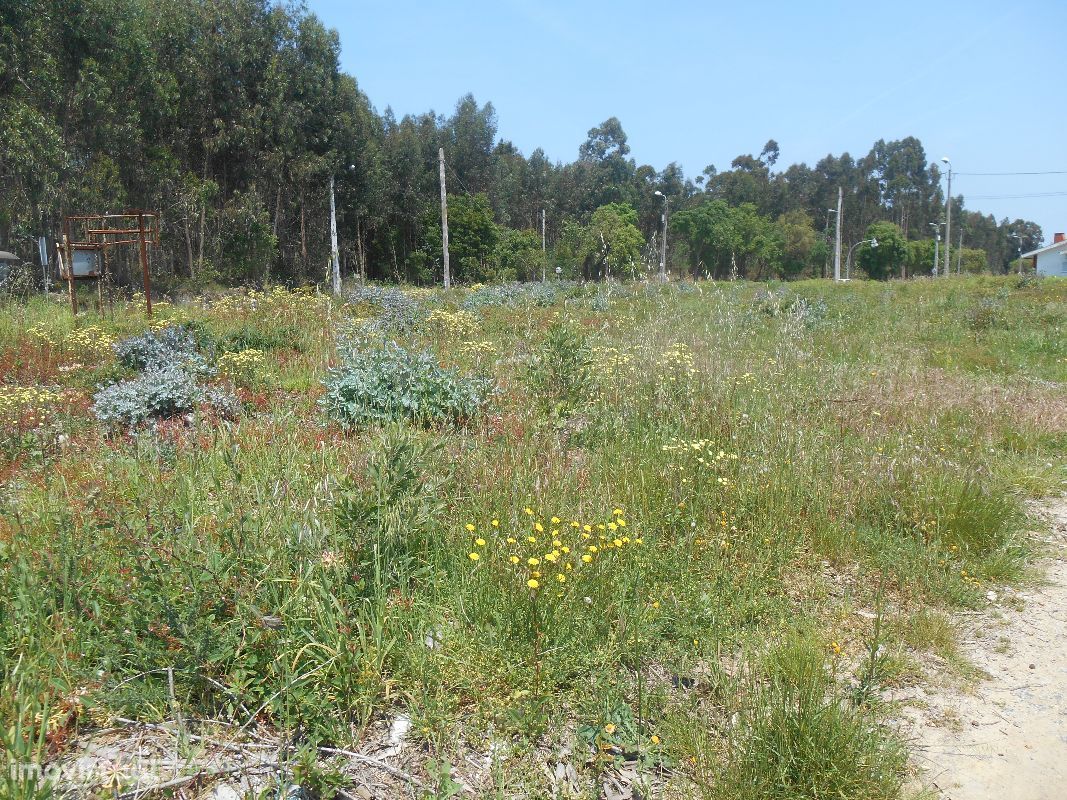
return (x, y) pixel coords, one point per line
(230, 117)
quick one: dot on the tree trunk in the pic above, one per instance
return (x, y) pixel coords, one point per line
(277, 210)
(303, 232)
(189, 248)
(203, 217)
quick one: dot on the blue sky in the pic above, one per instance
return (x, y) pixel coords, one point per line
(700, 83)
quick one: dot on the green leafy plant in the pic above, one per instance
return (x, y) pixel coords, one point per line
(159, 393)
(23, 749)
(560, 375)
(388, 516)
(385, 384)
(173, 346)
(444, 785)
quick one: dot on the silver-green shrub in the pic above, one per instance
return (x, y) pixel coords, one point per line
(170, 346)
(158, 393)
(376, 385)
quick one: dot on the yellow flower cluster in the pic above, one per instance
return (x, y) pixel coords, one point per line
(458, 323)
(241, 366)
(88, 342)
(677, 362)
(765, 384)
(612, 361)
(26, 407)
(673, 369)
(478, 348)
(552, 552)
(42, 336)
(278, 302)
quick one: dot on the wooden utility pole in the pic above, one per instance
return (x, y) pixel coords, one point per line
(837, 244)
(335, 257)
(444, 216)
(948, 222)
(544, 249)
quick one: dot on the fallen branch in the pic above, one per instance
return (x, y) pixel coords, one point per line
(202, 775)
(373, 762)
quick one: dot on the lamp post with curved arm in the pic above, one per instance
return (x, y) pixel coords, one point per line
(873, 242)
(937, 243)
(1019, 241)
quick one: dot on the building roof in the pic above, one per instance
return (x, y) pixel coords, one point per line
(6, 256)
(1056, 246)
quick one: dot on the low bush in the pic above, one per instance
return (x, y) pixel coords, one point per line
(511, 295)
(387, 517)
(398, 312)
(561, 372)
(248, 337)
(390, 384)
(174, 345)
(158, 393)
(986, 314)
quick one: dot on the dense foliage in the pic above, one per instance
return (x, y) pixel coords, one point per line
(171, 345)
(171, 367)
(231, 118)
(158, 393)
(384, 384)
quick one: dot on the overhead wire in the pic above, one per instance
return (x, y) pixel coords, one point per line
(1029, 196)
(1045, 172)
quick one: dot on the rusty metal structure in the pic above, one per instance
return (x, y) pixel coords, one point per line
(83, 252)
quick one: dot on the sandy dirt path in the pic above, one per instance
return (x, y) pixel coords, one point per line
(1005, 738)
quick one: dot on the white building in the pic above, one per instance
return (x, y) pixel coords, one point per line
(1051, 260)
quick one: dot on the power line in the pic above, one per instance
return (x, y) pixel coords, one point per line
(455, 175)
(1046, 172)
(1015, 196)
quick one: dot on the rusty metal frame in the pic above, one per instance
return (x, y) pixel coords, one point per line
(97, 233)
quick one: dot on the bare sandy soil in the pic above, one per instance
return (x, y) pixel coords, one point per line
(1005, 736)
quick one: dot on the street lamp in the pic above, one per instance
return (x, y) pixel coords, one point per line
(873, 242)
(1019, 240)
(663, 244)
(948, 216)
(937, 242)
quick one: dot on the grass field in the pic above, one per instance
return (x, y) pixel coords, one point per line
(679, 538)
